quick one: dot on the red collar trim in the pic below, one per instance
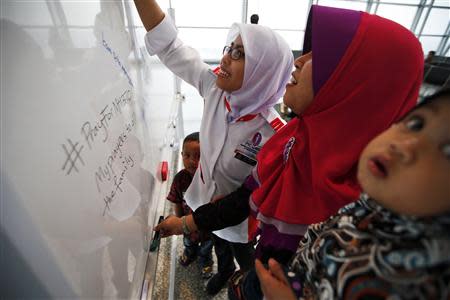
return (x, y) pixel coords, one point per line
(227, 104)
(241, 119)
(246, 118)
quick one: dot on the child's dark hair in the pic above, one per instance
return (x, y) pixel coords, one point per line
(193, 137)
(442, 94)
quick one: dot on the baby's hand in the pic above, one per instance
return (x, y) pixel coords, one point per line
(273, 281)
(170, 226)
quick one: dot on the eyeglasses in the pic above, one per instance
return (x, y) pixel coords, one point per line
(235, 54)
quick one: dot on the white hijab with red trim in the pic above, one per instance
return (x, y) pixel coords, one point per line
(268, 65)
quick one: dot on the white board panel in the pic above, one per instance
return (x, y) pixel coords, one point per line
(82, 121)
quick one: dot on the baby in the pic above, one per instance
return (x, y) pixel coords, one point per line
(395, 241)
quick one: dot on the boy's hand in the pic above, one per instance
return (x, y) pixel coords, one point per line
(273, 281)
(170, 226)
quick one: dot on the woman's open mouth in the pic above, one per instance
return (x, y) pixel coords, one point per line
(292, 81)
(223, 74)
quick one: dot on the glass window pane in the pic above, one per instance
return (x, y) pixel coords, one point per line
(344, 4)
(445, 3)
(209, 42)
(293, 38)
(429, 43)
(192, 107)
(292, 14)
(437, 21)
(164, 4)
(207, 12)
(401, 14)
(402, 1)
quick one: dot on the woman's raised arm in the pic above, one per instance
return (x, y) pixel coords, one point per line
(149, 12)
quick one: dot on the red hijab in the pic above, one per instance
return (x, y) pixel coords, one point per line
(367, 71)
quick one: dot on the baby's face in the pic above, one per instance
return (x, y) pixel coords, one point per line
(407, 167)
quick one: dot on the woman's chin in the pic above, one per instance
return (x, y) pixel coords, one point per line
(220, 83)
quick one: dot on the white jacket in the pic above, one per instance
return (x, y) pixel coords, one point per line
(228, 148)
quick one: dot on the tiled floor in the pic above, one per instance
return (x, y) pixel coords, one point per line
(188, 282)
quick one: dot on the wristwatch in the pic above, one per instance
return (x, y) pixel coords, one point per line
(186, 230)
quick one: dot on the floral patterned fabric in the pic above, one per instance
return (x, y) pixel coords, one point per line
(369, 252)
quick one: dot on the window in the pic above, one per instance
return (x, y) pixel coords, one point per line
(402, 14)
(437, 21)
(355, 5)
(209, 42)
(207, 13)
(289, 15)
(429, 43)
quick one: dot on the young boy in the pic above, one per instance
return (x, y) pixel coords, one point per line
(395, 241)
(196, 243)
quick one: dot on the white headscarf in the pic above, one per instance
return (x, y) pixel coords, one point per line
(268, 65)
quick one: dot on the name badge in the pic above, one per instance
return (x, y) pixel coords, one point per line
(247, 151)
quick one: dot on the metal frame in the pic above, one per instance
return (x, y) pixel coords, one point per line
(418, 24)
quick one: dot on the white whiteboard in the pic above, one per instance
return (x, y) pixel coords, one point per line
(83, 117)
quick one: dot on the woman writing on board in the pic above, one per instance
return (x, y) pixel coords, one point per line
(238, 116)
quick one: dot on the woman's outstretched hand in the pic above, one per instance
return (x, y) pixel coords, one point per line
(170, 226)
(274, 283)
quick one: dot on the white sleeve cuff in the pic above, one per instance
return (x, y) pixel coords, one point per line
(158, 38)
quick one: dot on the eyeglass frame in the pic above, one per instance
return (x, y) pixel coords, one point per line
(230, 50)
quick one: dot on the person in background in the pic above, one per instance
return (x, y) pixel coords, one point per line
(196, 243)
(238, 116)
(254, 19)
(394, 242)
(430, 56)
